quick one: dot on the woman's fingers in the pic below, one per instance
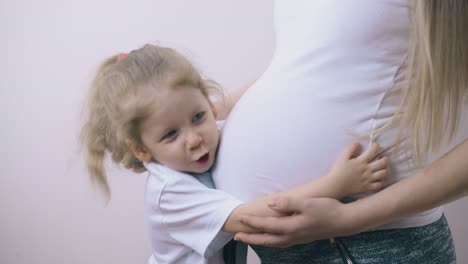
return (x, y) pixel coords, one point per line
(264, 224)
(265, 239)
(313, 219)
(286, 204)
(273, 225)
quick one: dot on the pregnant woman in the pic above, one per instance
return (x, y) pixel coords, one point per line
(338, 75)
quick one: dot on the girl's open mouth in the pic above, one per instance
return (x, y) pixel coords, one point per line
(203, 159)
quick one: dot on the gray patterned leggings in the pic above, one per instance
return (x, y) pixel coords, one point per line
(430, 244)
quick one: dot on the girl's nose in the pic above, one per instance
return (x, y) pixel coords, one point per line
(194, 140)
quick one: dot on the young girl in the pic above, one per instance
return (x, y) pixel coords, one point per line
(151, 111)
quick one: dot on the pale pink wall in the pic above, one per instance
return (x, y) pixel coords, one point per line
(50, 214)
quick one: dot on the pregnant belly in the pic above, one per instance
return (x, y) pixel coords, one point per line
(280, 141)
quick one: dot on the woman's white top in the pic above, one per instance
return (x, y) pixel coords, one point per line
(335, 74)
(185, 218)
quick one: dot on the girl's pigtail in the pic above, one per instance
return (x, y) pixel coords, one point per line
(97, 131)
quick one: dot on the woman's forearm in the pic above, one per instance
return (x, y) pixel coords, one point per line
(443, 181)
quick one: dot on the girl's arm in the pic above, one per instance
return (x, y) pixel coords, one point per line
(224, 107)
(349, 175)
(443, 181)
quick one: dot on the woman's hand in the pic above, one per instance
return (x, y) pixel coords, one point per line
(309, 219)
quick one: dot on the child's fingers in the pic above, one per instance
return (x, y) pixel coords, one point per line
(379, 164)
(376, 185)
(371, 153)
(379, 175)
(351, 151)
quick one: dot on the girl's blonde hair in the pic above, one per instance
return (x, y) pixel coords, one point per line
(437, 75)
(119, 99)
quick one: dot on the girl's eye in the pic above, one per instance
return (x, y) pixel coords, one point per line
(198, 116)
(169, 135)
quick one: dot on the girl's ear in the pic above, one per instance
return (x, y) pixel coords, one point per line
(140, 151)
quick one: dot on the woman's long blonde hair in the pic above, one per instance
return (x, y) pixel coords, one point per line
(119, 99)
(437, 75)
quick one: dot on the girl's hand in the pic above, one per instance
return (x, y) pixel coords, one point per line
(356, 173)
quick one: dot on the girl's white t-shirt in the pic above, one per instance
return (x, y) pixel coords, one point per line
(336, 74)
(185, 218)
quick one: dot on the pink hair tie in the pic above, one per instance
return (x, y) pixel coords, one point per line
(122, 56)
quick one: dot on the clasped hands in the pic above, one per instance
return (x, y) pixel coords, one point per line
(307, 219)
